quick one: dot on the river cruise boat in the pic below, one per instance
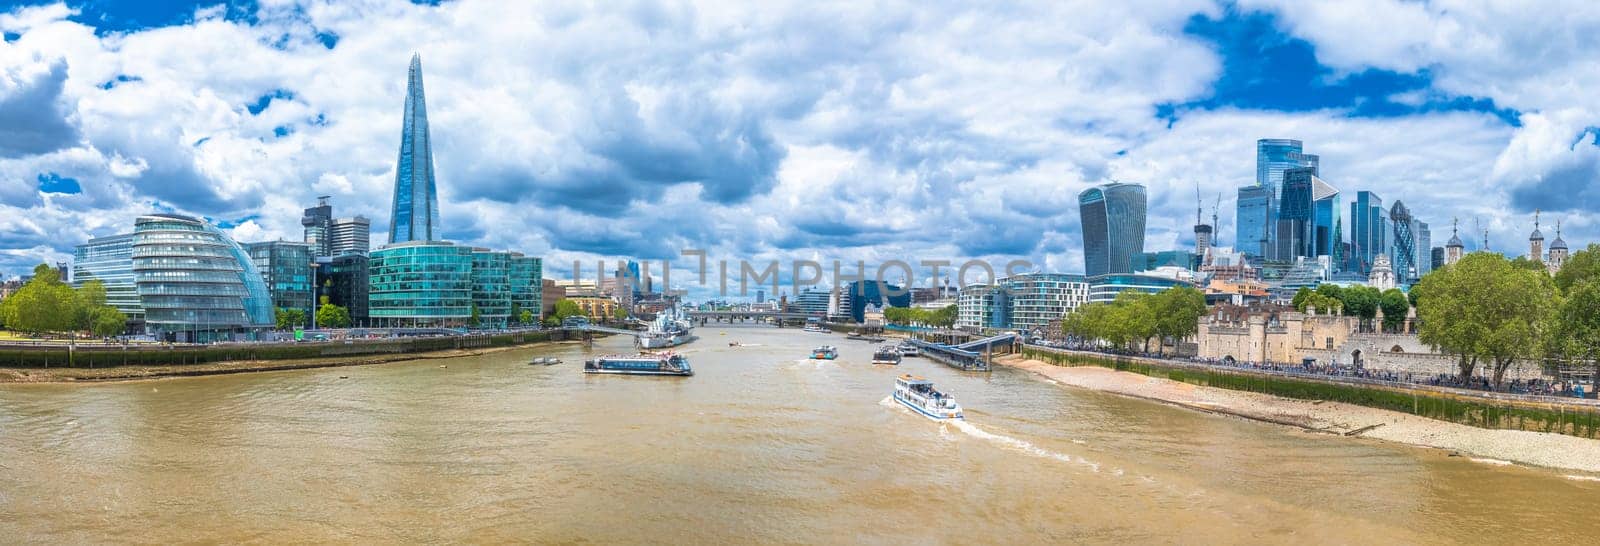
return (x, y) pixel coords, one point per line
(640, 364)
(816, 328)
(825, 352)
(886, 355)
(919, 395)
(907, 349)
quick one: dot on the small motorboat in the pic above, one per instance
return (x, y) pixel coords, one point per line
(544, 361)
(907, 349)
(825, 352)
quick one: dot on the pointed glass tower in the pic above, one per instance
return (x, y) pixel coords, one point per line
(416, 203)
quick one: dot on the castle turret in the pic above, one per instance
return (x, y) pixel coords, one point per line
(1536, 241)
(1558, 252)
(1454, 248)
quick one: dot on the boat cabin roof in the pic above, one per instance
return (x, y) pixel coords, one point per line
(914, 380)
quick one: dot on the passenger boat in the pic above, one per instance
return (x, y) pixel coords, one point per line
(641, 364)
(886, 355)
(907, 349)
(919, 395)
(825, 352)
(670, 329)
(817, 329)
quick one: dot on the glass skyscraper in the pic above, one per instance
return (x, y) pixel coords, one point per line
(286, 268)
(1368, 231)
(110, 261)
(416, 203)
(195, 282)
(491, 287)
(1254, 220)
(1274, 157)
(526, 275)
(1113, 218)
(1405, 243)
(421, 283)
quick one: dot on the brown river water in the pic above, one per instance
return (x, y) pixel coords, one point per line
(761, 446)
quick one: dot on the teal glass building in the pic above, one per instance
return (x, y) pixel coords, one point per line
(420, 284)
(195, 283)
(286, 268)
(527, 285)
(415, 213)
(491, 287)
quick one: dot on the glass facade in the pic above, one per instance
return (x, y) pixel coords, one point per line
(318, 224)
(1113, 217)
(1404, 259)
(110, 261)
(286, 268)
(421, 283)
(416, 204)
(1038, 298)
(1368, 232)
(1424, 242)
(859, 294)
(1256, 211)
(813, 301)
(1274, 157)
(491, 287)
(527, 284)
(344, 280)
(350, 236)
(983, 306)
(1104, 288)
(196, 283)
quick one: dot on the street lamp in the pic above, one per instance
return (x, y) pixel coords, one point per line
(314, 299)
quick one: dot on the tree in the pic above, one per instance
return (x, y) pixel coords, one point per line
(289, 319)
(526, 317)
(476, 317)
(1136, 315)
(1299, 301)
(945, 317)
(1361, 301)
(91, 298)
(1581, 265)
(1395, 305)
(1577, 324)
(516, 313)
(1525, 263)
(108, 321)
(1485, 309)
(332, 316)
(567, 308)
(1177, 313)
(44, 304)
(1331, 290)
(619, 313)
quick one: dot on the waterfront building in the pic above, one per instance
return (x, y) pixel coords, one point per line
(549, 294)
(318, 225)
(195, 283)
(1104, 288)
(345, 280)
(491, 288)
(415, 213)
(1369, 226)
(110, 261)
(596, 307)
(1256, 209)
(527, 285)
(812, 301)
(421, 284)
(854, 297)
(286, 267)
(983, 306)
(1038, 298)
(1113, 218)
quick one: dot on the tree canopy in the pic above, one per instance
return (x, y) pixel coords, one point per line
(1395, 306)
(45, 304)
(1135, 318)
(1486, 309)
(911, 316)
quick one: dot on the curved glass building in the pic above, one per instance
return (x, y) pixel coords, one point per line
(195, 283)
(420, 284)
(1113, 227)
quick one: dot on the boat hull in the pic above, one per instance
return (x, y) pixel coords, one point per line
(637, 372)
(924, 412)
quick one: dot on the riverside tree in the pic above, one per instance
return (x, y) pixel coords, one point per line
(289, 319)
(1177, 313)
(1395, 306)
(1484, 309)
(45, 304)
(332, 316)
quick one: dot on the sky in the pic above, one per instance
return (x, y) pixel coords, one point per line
(784, 130)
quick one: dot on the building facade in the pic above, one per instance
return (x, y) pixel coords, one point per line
(983, 306)
(1038, 298)
(1403, 262)
(1274, 158)
(491, 288)
(350, 236)
(318, 225)
(1113, 217)
(421, 284)
(527, 286)
(345, 281)
(195, 283)
(1104, 288)
(415, 212)
(286, 267)
(1256, 209)
(812, 301)
(110, 261)
(1369, 227)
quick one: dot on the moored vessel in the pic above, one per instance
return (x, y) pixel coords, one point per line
(669, 329)
(907, 349)
(640, 364)
(918, 394)
(886, 355)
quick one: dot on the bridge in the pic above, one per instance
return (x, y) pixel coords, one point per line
(970, 356)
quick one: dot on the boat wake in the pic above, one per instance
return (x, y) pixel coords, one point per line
(1023, 445)
(1581, 478)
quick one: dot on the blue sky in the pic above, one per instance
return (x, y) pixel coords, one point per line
(786, 131)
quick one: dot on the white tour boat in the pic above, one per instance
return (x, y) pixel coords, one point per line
(919, 395)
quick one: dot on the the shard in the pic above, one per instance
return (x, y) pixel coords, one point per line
(416, 203)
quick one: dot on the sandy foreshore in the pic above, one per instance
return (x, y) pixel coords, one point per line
(137, 373)
(1531, 448)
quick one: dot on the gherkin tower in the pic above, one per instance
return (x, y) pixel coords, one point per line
(416, 202)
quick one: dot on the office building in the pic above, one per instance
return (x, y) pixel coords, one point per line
(1424, 242)
(1274, 158)
(1254, 220)
(345, 281)
(421, 284)
(350, 236)
(415, 213)
(1369, 227)
(527, 287)
(1405, 243)
(110, 261)
(1308, 216)
(853, 298)
(491, 288)
(550, 293)
(1438, 258)
(812, 301)
(195, 283)
(1038, 298)
(286, 268)
(1104, 288)
(983, 307)
(318, 224)
(1113, 218)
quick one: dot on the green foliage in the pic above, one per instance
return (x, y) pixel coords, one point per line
(567, 308)
(516, 313)
(1325, 305)
(1395, 305)
(45, 304)
(526, 317)
(1135, 318)
(1580, 266)
(1577, 324)
(619, 313)
(332, 316)
(1331, 291)
(107, 321)
(910, 316)
(476, 318)
(1484, 308)
(289, 319)
(1299, 301)
(1361, 301)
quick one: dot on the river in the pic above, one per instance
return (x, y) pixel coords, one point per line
(760, 446)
